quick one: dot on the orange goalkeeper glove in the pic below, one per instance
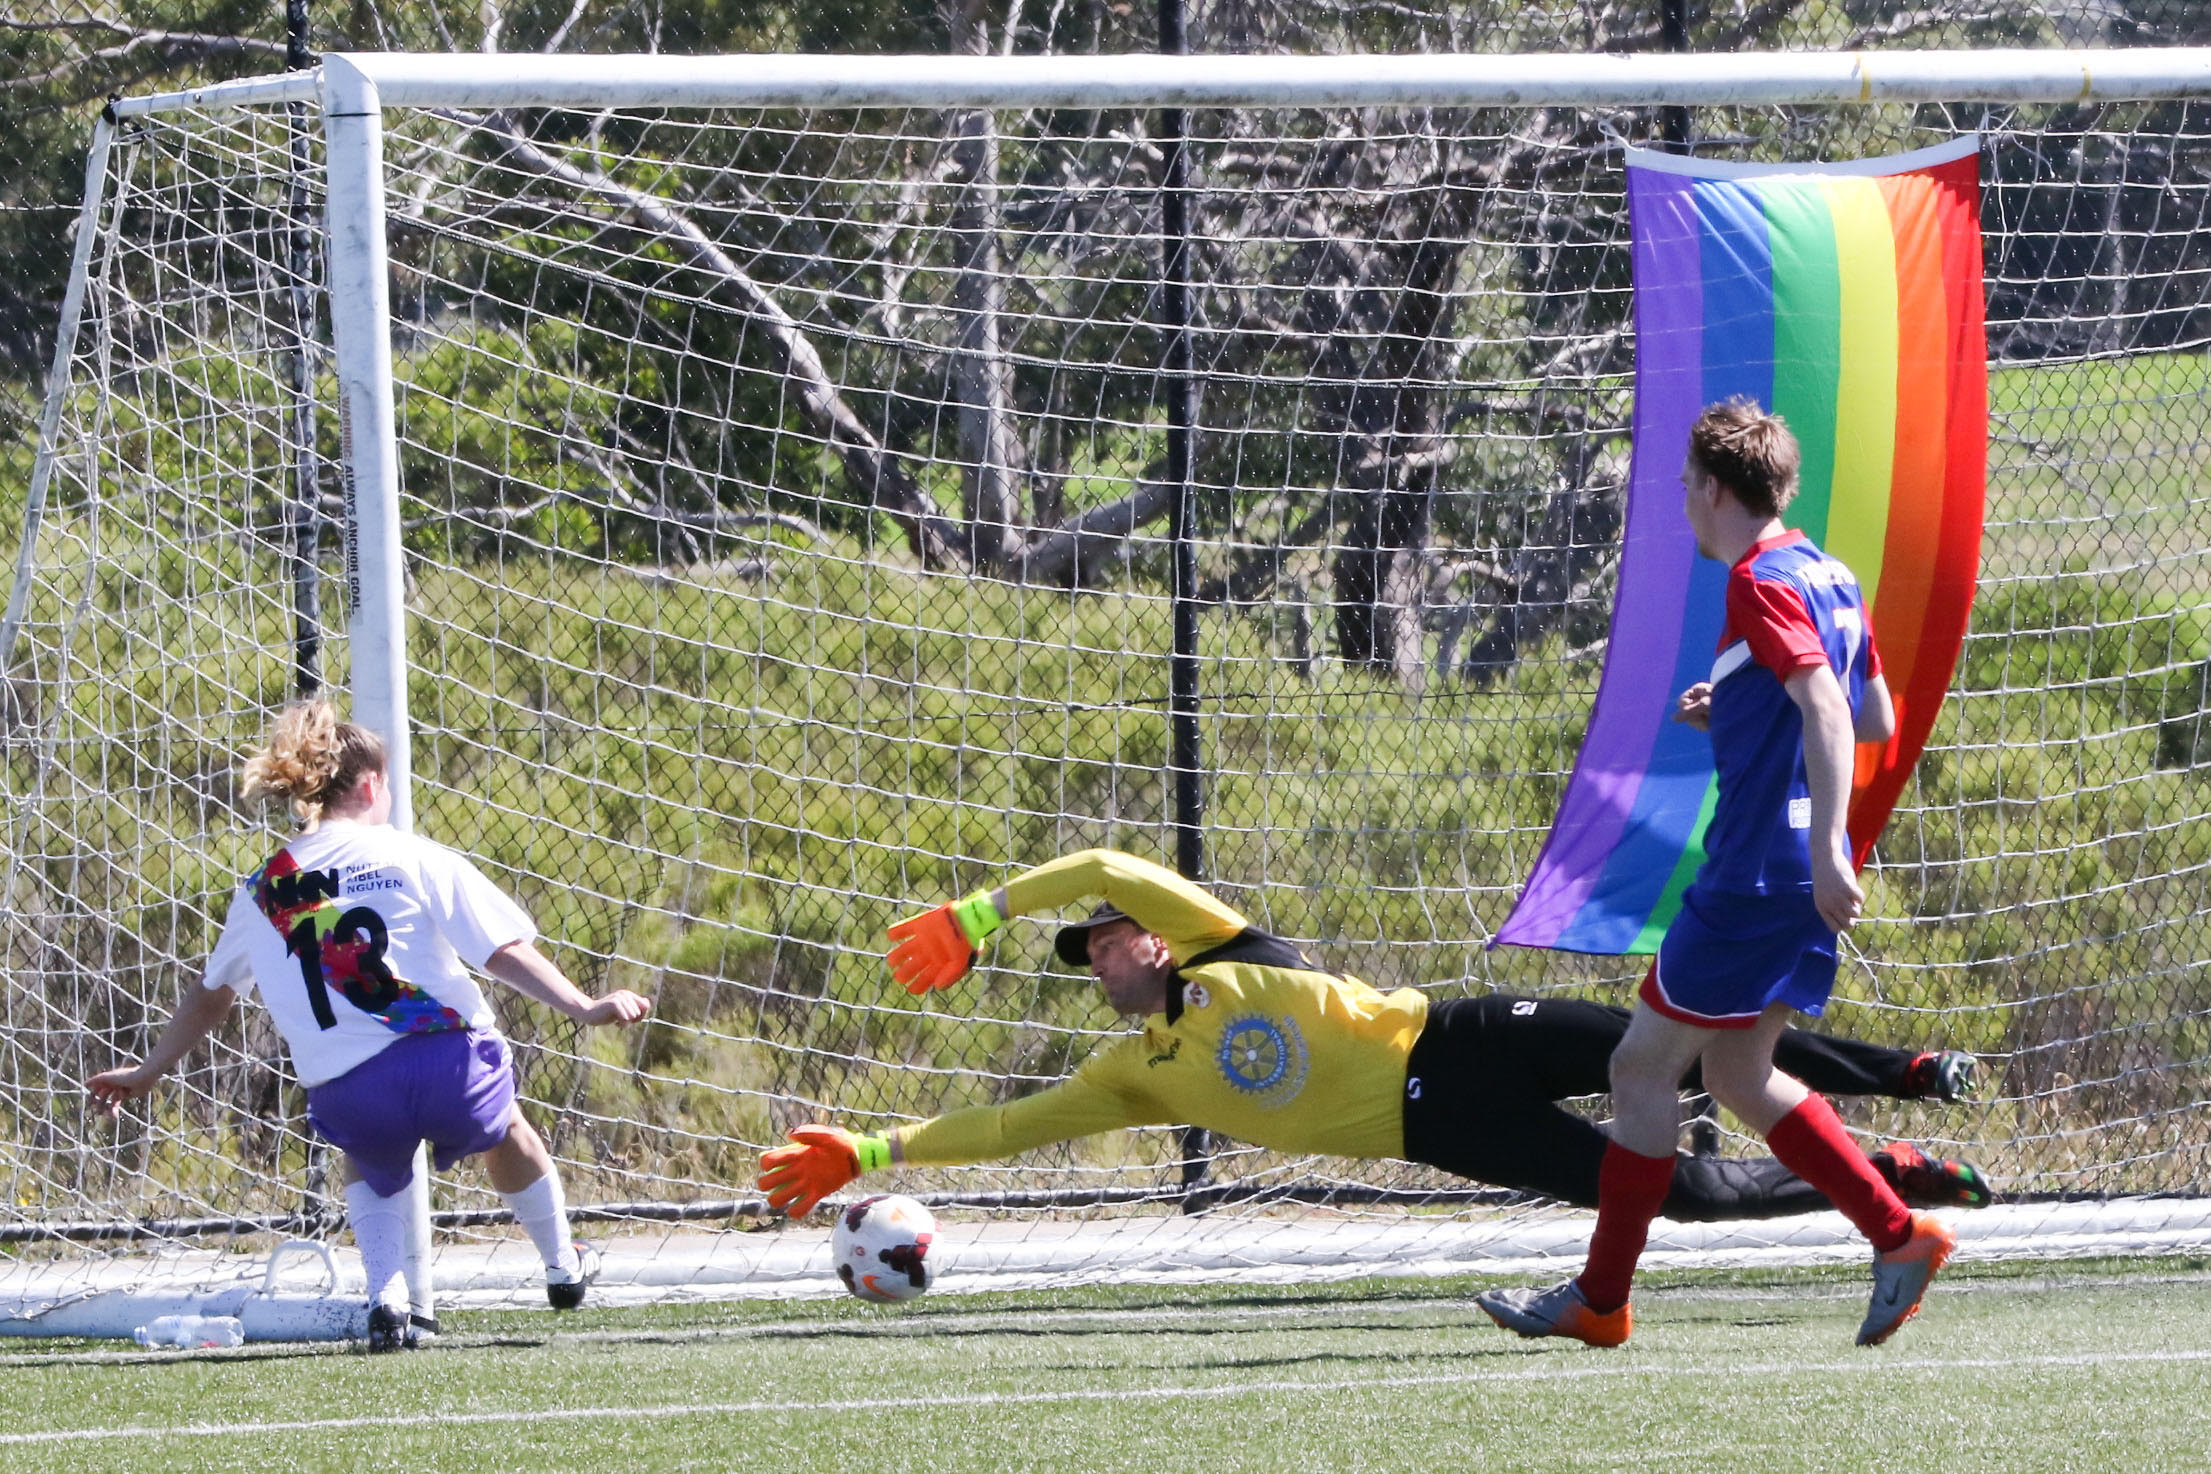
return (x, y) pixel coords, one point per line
(936, 948)
(824, 1159)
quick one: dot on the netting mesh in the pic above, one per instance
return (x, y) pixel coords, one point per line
(785, 503)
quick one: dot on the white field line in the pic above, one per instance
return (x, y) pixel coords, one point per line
(1614, 1371)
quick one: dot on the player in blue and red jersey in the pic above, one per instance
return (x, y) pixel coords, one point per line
(1796, 683)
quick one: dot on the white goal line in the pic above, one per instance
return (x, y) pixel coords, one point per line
(417, 79)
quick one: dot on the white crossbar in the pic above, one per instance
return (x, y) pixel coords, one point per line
(408, 79)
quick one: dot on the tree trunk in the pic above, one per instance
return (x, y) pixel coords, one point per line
(1379, 592)
(990, 448)
(1397, 412)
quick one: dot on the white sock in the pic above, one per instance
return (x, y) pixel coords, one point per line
(543, 1214)
(422, 1297)
(380, 1231)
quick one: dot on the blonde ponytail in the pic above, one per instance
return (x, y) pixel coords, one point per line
(311, 759)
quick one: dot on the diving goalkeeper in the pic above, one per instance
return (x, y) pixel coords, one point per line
(1245, 1036)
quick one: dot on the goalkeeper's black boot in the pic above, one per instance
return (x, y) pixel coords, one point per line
(565, 1291)
(1931, 1182)
(1946, 1075)
(389, 1330)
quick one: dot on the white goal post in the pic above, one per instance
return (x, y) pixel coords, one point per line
(754, 477)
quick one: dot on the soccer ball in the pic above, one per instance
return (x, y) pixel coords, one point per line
(881, 1246)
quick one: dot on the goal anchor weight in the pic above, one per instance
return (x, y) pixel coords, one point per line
(265, 1311)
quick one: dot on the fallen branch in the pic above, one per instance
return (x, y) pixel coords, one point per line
(1059, 555)
(171, 48)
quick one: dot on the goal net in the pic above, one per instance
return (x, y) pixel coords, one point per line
(782, 534)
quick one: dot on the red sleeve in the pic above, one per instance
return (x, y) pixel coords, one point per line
(1771, 616)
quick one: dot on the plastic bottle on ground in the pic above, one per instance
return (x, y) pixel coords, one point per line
(191, 1330)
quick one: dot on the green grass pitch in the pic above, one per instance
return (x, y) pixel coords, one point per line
(2034, 1367)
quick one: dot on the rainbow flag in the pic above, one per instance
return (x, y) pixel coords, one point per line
(1847, 298)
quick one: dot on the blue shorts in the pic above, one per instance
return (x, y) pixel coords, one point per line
(452, 1088)
(1729, 957)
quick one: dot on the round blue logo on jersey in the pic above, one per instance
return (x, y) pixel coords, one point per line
(1263, 1056)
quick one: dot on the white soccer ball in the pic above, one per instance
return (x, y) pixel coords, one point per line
(881, 1246)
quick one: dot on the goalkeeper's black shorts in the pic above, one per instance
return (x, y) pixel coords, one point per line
(1484, 1081)
(1482, 1087)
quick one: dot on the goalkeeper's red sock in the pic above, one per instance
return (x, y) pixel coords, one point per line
(1811, 1142)
(1630, 1190)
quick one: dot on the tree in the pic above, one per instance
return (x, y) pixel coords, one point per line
(1373, 288)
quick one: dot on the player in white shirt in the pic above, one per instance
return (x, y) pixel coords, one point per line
(359, 938)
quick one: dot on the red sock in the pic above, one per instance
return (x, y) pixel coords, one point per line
(1811, 1142)
(1630, 1190)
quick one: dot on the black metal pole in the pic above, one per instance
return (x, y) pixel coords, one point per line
(318, 1207)
(1182, 472)
(1673, 34)
(306, 518)
(1182, 464)
(1673, 129)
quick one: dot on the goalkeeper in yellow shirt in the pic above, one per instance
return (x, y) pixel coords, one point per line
(1245, 1036)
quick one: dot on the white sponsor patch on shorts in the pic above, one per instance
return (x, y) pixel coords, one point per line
(1800, 813)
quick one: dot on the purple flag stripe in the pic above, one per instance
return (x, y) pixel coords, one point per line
(1655, 565)
(1663, 839)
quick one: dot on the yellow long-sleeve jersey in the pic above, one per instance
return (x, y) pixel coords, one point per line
(1255, 1043)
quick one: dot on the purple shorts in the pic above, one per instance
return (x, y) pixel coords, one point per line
(453, 1089)
(1727, 958)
